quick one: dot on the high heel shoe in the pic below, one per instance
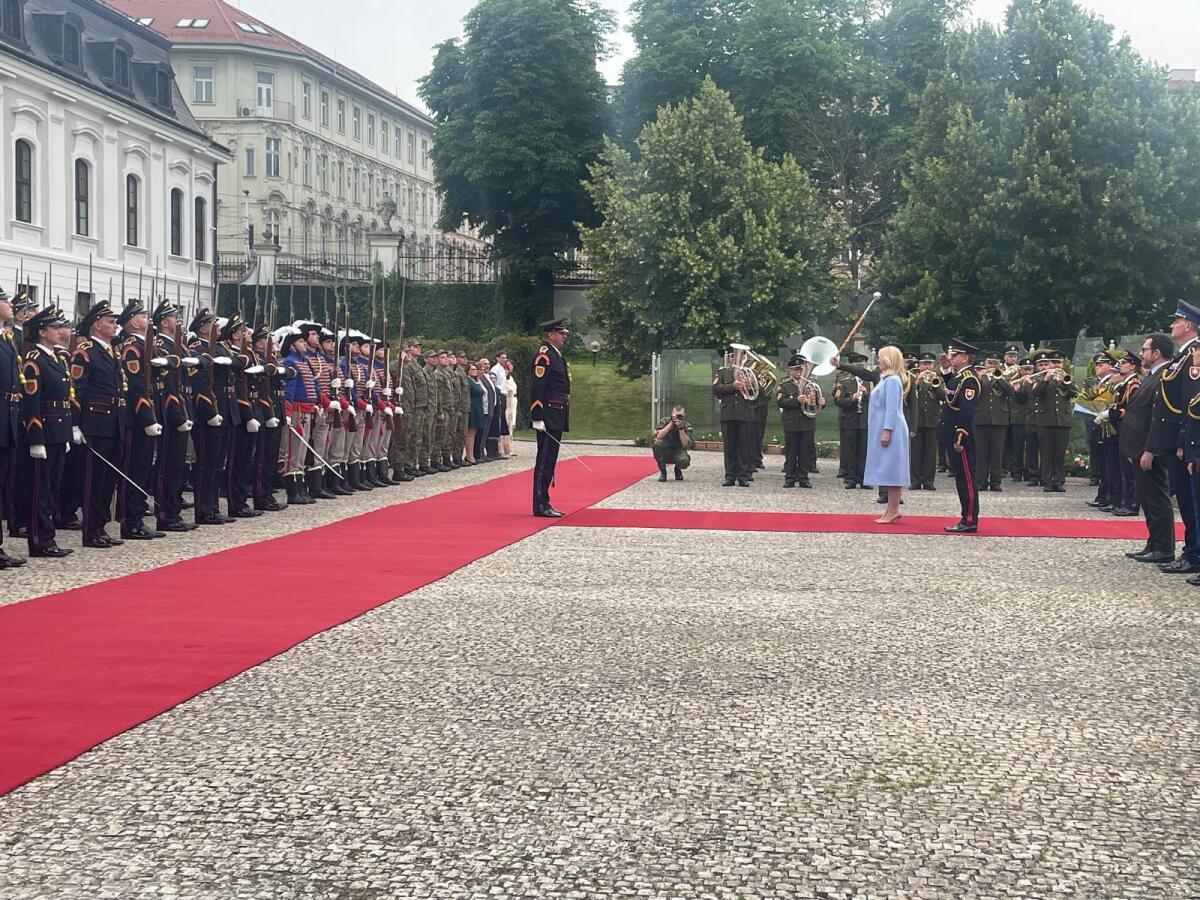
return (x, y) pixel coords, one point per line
(882, 521)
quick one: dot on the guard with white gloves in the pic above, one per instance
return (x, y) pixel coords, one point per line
(171, 406)
(211, 390)
(143, 382)
(243, 446)
(46, 413)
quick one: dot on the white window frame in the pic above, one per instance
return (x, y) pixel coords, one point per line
(272, 157)
(250, 170)
(324, 109)
(205, 87)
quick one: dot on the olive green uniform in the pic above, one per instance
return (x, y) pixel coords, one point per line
(924, 412)
(673, 449)
(416, 447)
(853, 417)
(992, 418)
(1053, 408)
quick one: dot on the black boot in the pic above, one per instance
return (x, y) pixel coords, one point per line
(379, 473)
(316, 486)
(354, 476)
(296, 493)
(678, 474)
(662, 472)
(338, 483)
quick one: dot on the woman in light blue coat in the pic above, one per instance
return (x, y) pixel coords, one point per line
(887, 433)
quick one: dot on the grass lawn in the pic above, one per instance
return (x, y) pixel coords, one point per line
(604, 404)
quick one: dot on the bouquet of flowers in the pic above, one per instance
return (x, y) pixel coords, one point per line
(1094, 400)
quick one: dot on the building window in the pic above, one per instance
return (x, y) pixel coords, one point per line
(412, 143)
(371, 191)
(71, 55)
(201, 224)
(131, 210)
(121, 68)
(323, 173)
(398, 144)
(341, 108)
(271, 229)
(176, 222)
(82, 186)
(13, 24)
(341, 180)
(249, 162)
(370, 129)
(383, 136)
(306, 168)
(356, 119)
(306, 99)
(202, 84)
(162, 81)
(265, 94)
(324, 109)
(424, 153)
(24, 171)
(272, 158)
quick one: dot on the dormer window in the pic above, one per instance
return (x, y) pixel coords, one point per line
(162, 83)
(13, 24)
(121, 68)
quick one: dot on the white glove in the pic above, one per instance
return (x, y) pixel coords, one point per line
(216, 421)
(77, 436)
(370, 385)
(67, 448)
(222, 361)
(252, 426)
(399, 392)
(387, 392)
(399, 410)
(191, 360)
(335, 383)
(352, 410)
(1101, 418)
(272, 422)
(388, 411)
(335, 406)
(38, 451)
(253, 370)
(160, 361)
(539, 426)
(185, 427)
(153, 430)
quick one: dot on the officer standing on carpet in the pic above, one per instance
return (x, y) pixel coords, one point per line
(143, 429)
(10, 415)
(956, 430)
(173, 408)
(46, 413)
(550, 392)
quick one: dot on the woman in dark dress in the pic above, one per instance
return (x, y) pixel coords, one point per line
(475, 418)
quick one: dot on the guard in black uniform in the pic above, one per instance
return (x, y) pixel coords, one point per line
(20, 481)
(272, 388)
(956, 429)
(100, 417)
(212, 394)
(10, 415)
(550, 392)
(172, 407)
(143, 429)
(46, 413)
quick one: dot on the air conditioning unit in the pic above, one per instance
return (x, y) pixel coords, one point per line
(245, 112)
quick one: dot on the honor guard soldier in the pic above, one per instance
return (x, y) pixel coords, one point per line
(173, 408)
(799, 400)
(429, 464)
(143, 429)
(17, 509)
(24, 307)
(329, 423)
(402, 420)
(730, 386)
(302, 400)
(46, 416)
(852, 395)
(992, 418)
(416, 407)
(929, 392)
(1126, 502)
(956, 430)
(272, 385)
(212, 393)
(10, 416)
(243, 424)
(1180, 382)
(1053, 395)
(549, 406)
(100, 421)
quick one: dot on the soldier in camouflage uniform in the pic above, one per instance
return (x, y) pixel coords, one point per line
(416, 395)
(428, 434)
(464, 407)
(443, 413)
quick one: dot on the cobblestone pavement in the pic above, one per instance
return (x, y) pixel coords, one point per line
(674, 714)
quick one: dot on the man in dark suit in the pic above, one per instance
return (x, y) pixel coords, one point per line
(550, 392)
(1152, 455)
(1177, 384)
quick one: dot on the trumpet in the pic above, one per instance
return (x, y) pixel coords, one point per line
(1060, 375)
(930, 377)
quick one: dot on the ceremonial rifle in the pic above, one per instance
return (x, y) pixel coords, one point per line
(389, 423)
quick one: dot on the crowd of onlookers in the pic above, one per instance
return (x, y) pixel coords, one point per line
(492, 417)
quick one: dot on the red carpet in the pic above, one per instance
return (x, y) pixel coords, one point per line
(80, 667)
(1130, 529)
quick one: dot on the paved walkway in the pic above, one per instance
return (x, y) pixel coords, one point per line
(618, 712)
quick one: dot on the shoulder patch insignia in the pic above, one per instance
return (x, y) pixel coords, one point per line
(544, 349)
(1194, 372)
(31, 385)
(539, 371)
(76, 372)
(134, 366)
(969, 393)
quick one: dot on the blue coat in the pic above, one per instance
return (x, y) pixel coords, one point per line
(887, 466)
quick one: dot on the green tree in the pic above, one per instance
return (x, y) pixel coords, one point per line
(520, 106)
(1058, 195)
(703, 241)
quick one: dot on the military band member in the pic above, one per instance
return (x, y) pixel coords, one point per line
(100, 421)
(738, 428)
(144, 428)
(956, 430)
(992, 418)
(1013, 458)
(671, 441)
(10, 416)
(46, 414)
(799, 401)
(929, 392)
(173, 409)
(1053, 410)
(1104, 447)
(852, 394)
(1126, 502)
(549, 406)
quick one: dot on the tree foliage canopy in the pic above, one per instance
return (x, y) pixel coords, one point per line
(703, 240)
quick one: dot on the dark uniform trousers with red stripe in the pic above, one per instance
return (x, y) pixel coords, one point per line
(956, 435)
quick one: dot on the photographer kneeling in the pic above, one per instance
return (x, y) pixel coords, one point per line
(672, 439)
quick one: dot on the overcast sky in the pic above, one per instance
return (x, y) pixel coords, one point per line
(390, 41)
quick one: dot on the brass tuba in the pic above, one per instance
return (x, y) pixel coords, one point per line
(740, 361)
